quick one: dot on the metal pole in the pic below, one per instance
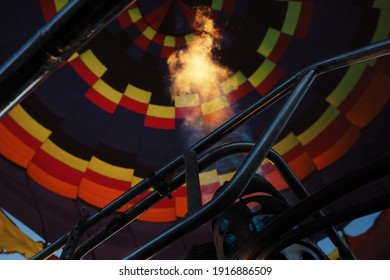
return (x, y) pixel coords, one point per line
(239, 181)
(52, 45)
(233, 190)
(296, 185)
(290, 218)
(322, 223)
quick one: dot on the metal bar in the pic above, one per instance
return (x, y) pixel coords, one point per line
(290, 218)
(52, 248)
(117, 224)
(205, 143)
(211, 139)
(239, 181)
(352, 57)
(52, 45)
(105, 211)
(154, 197)
(194, 197)
(296, 185)
(372, 51)
(342, 216)
(288, 175)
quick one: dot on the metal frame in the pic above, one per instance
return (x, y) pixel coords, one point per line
(171, 176)
(65, 33)
(73, 26)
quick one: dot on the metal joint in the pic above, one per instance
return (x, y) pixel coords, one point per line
(74, 237)
(163, 189)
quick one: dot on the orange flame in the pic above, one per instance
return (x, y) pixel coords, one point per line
(194, 71)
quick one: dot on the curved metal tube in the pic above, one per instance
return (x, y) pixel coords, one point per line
(52, 45)
(302, 82)
(322, 223)
(287, 220)
(241, 178)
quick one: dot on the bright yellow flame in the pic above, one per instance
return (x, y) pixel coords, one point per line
(195, 70)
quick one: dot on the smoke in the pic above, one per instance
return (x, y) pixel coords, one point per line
(196, 75)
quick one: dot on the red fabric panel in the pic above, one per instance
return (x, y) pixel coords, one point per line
(107, 181)
(100, 101)
(134, 105)
(375, 243)
(162, 123)
(83, 71)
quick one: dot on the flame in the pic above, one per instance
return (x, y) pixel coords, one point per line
(195, 71)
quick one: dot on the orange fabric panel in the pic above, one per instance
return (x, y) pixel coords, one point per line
(181, 206)
(56, 168)
(371, 103)
(111, 183)
(302, 165)
(52, 183)
(158, 215)
(98, 195)
(338, 149)
(276, 180)
(14, 149)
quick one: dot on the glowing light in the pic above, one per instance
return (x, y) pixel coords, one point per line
(195, 70)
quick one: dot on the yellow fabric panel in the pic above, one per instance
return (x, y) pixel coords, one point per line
(225, 177)
(159, 111)
(214, 105)
(111, 171)
(286, 144)
(233, 82)
(107, 91)
(383, 28)
(208, 177)
(135, 14)
(52, 183)
(292, 17)
(59, 4)
(14, 149)
(372, 102)
(240, 78)
(138, 94)
(13, 240)
(25, 121)
(334, 255)
(73, 56)
(188, 100)
(149, 33)
(346, 85)
(169, 41)
(189, 38)
(63, 156)
(93, 63)
(316, 128)
(269, 42)
(217, 5)
(382, 4)
(136, 180)
(261, 73)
